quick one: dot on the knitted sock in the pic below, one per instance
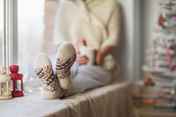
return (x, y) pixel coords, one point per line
(50, 85)
(66, 56)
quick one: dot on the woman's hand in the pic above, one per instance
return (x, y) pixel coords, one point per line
(102, 54)
(99, 58)
(82, 60)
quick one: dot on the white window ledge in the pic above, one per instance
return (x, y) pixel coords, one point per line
(36, 106)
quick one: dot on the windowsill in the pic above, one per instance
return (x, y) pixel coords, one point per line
(35, 105)
(30, 106)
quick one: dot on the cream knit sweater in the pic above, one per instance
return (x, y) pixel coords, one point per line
(97, 21)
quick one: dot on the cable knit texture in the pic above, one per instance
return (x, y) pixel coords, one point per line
(44, 72)
(66, 56)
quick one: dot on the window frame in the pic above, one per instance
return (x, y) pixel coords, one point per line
(9, 33)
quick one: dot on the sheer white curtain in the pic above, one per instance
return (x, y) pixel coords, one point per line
(30, 32)
(31, 38)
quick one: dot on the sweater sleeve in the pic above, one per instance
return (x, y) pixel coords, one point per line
(113, 29)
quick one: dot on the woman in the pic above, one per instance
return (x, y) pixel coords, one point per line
(86, 31)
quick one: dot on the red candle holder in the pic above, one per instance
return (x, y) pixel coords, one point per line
(17, 80)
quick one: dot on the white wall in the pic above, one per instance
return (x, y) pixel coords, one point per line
(143, 23)
(139, 26)
(150, 13)
(130, 46)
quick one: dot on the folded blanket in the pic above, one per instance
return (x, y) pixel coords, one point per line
(108, 101)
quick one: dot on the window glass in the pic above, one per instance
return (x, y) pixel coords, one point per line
(30, 33)
(35, 27)
(1, 30)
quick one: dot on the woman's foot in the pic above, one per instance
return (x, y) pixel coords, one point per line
(44, 72)
(66, 56)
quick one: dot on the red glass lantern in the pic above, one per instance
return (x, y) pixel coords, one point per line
(17, 80)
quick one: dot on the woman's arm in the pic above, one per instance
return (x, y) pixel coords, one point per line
(113, 36)
(102, 53)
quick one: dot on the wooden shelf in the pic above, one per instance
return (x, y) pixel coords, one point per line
(146, 112)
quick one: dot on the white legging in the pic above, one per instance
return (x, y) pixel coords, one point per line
(83, 77)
